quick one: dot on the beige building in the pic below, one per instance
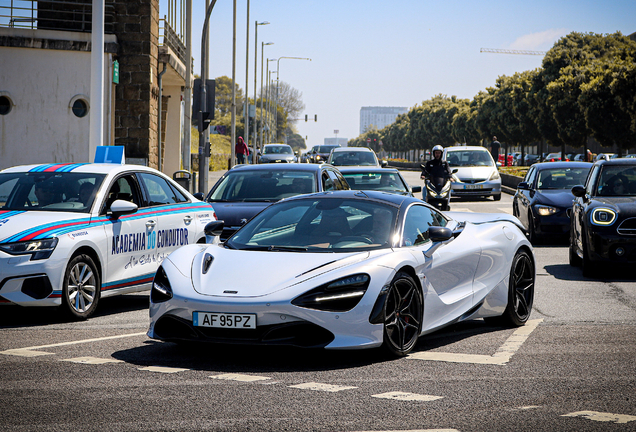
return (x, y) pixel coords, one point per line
(45, 82)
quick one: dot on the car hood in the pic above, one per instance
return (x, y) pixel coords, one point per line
(232, 213)
(18, 226)
(625, 205)
(558, 198)
(256, 273)
(464, 173)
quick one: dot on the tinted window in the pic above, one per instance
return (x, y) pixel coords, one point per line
(159, 191)
(259, 185)
(417, 222)
(561, 178)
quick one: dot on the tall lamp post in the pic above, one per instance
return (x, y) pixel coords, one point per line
(262, 50)
(255, 75)
(277, 86)
(246, 103)
(268, 92)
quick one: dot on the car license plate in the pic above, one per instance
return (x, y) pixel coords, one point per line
(224, 320)
(473, 186)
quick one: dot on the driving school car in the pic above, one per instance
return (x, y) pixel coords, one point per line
(73, 233)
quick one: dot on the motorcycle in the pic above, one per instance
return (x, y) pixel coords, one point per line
(438, 195)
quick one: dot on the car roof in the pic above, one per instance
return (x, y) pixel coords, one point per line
(276, 144)
(561, 164)
(618, 161)
(280, 167)
(388, 198)
(463, 148)
(349, 149)
(93, 168)
(364, 169)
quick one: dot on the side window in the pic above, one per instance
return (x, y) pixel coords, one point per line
(417, 222)
(591, 179)
(530, 176)
(338, 184)
(125, 188)
(327, 183)
(159, 191)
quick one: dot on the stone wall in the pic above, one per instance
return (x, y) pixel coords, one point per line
(137, 94)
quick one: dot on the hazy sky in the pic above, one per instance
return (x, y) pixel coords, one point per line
(392, 52)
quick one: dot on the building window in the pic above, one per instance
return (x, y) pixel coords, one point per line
(5, 105)
(80, 108)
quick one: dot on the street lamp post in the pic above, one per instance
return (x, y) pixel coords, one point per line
(246, 103)
(277, 85)
(254, 141)
(262, 50)
(268, 92)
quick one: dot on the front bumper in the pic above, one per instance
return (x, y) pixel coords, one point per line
(31, 283)
(605, 247)
(485, 188)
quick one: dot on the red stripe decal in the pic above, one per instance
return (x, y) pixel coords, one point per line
(56, 167)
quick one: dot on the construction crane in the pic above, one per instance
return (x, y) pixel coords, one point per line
(507, 51)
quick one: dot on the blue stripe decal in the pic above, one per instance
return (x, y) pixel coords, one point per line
(129, 281)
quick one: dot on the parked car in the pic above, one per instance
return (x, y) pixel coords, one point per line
(320, 153)
(277, 153)
(354, 156)
(555, 157)
(379, 179)
(345, 270)
(71, 234)
(477, 175)
(544, 198)
(605, 156)
(579, 157)
(245, 190)
(603, 221)
(531, 159)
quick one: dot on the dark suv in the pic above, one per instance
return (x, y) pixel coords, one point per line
(320, 153)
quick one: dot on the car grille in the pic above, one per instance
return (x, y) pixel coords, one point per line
(301, 334)
(472, 181)
(627, 227)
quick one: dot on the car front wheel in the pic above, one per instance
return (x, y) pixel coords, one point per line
(81, 289)
(403, 315)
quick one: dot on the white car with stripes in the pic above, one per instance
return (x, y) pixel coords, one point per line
(72, 233)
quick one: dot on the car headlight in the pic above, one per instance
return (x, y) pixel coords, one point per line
(495, 175)
(38, 249)
(603, 216)
(546, 210)
(161, 290)
(337, 296)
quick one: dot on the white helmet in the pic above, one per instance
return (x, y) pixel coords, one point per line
(438, 147)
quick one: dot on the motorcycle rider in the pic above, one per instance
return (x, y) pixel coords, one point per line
(437, 169)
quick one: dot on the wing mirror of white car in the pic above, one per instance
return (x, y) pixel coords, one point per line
(213, 230)
(456, 170)
(121, 207)
(438, 236)
(498, 164)
(384, 164)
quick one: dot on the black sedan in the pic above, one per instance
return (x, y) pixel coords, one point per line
(544, 197)
(245, 190)
(379, 179)
(603, 222)
(320, 153)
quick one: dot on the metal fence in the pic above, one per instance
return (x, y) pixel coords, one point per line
(66, 15)
(170, 38)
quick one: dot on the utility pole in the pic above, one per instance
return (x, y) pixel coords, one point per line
(204, 134)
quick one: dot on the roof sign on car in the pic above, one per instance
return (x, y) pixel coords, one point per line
(110, 154)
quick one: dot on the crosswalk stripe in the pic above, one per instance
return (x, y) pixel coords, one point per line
(162, 369)
(91, 360)
(603, 417)
(403, 396)
(239, 377)
(322, 387)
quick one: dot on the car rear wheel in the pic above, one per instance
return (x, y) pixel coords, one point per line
(81, 289)
(520, 291)
(403, 315)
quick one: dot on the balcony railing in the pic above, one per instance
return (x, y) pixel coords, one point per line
(66, 15)
(170, 38)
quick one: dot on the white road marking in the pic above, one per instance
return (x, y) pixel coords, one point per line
(501, 357)
(397, 395)
(322, 387)
(461, 209)
(32, 351)
(162, 369)
(505, 210)
(239, 377)
(91, 360)
(603, 417)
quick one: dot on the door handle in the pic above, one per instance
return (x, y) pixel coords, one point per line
(151, 223)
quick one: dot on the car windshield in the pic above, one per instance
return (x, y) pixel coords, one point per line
(323, 224)
(386, 181)
(281, 149)
(344, 158)
(617, 181)
(561, 178)
(261, 185)
(326, 149)
(469, 158)
(44, 191)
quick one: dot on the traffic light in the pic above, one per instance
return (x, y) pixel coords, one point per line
(203, 118)
(306, 116)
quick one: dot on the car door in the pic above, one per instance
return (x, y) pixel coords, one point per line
(131, 262)
(523, 198)
(579, 209)
(175, 220)
(447, 273)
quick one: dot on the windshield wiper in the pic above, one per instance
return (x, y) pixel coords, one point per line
(275, 248)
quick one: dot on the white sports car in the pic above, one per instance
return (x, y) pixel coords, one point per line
(346, 269)
(72, 233)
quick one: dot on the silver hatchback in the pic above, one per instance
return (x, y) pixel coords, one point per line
(476, 175)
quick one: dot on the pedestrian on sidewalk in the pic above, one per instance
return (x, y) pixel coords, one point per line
(242, 151)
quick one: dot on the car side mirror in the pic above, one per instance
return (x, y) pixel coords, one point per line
(416, 189)
(121, 207)
(455, 171)
(438, 236)
(523, 186)
(213, 230)
(384, 164)
(199, 196)
(578, 191)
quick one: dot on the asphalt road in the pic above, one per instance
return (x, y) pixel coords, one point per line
(571, 368)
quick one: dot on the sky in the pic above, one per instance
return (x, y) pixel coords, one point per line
(391, 52)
